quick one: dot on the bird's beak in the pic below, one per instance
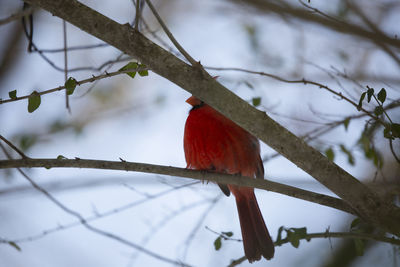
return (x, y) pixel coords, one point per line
(193, 101)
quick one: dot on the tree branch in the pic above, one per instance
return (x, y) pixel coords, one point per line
(364, 201)
(184, 173)
(326, 21)
(13, 147)
(302, 81)
(17, 16)
(79, 83)
(327, 234)
(170, 36)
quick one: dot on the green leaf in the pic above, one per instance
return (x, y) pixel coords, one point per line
(217, 243)
(293, 239)
(12, 94)
(395, 130)
(256, 101)
(61, 157)
(330, 154)
(300, 232)
(13, 244)
(360, 102)
(143, 72)
(370, 153)
(350, 157)
(360, 246)
(370, 92)
(70, 85)
(387, 133)
(355, 223)
(365, 142)
(346, 123)
(130, 65)
(378, 110)
(382, 95)
(33, 101)
(228, 234)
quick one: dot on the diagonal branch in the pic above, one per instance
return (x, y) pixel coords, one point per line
(170, 36)
(367, 204)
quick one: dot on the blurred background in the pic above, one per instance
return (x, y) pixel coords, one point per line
(142, 120)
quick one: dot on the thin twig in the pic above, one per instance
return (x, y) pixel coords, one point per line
(17, 16)
(154, 229)
(14, 147)
(392, 150)
(105, 71)
(374, 28)
(89, 80)
(101, 215)
(137, 15)
(74, 48)
(352, 235)
(170, 36)
(302, 14)
(327, 234)
(302, 81)
(223, 235)
(196, 228)
(66, 65)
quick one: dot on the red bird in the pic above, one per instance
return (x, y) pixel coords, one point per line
(215, 143)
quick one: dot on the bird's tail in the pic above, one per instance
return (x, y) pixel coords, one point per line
(256, 238)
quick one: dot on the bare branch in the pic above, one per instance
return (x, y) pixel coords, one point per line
(180, 172)
(375, 29)
(196, 228)
(327, 234)
(328, 22)
(137, 15)
(13, 147)
(302, 81)
(66, 64)
(170, 36)
(17, 16)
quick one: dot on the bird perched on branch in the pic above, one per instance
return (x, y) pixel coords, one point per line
(213, 142)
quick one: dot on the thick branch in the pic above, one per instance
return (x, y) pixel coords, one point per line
(180, 172)
(195, 81)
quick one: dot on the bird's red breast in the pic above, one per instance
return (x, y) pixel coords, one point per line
(213, 142)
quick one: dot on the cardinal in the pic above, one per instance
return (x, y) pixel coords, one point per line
(212, 142)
